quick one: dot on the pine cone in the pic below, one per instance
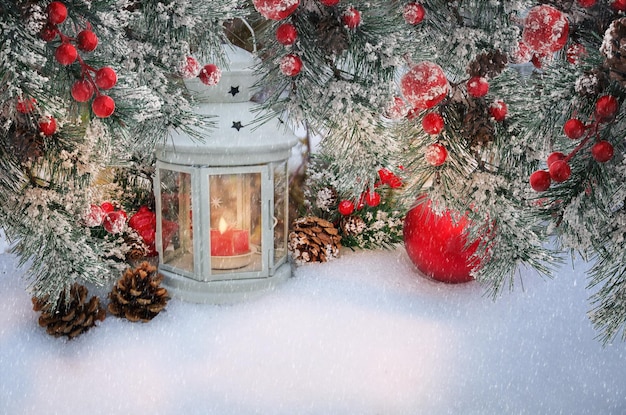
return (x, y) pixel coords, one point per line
(477, 126)
(592, 83)
(488, 64)
(73, 318)
(137, 295)
(352, 225)
(331, 33)
(314, 240)
(23, 139)
(614, 50)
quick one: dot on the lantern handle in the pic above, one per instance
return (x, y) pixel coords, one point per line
(245, 22)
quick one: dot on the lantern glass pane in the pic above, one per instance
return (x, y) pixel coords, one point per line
(280, 212)
(235, 223)
(176, 222)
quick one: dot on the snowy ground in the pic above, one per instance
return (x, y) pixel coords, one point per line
(360, 335)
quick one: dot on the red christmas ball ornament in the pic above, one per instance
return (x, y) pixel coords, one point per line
(432, 123)
(66, 54)
(276, 9)
(619, 5)
(586, 3)
(413, 13)
(498, 110)
(286, 34)
(602, 151)
(82, 90)
(190, 68)
(48, 126)
(210, 74)
(560, 171)
(424, 86)
(557, 155)
(372, 198)
(48, 32)
(329, 2)
(545, 29)
(106, 78)
(436, 154)
(574, 52)
(540, 181)
(436, 244)
(25, 106)
(606, 108)
(346, 207)
(86, 40)
(477, 86)
(574, 128)
(103, 106)
(351, 18)
(57, 12)
(290, 65)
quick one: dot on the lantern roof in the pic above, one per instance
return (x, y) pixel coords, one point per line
(238, 139)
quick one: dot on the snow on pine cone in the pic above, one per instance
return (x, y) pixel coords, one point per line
(614, 50)
(314, 239)
(352, 225)
(138, 295)
(71, 316)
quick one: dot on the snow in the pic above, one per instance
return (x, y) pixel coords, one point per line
(363, 334)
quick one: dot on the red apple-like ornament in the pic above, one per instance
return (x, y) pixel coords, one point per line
(436, 244)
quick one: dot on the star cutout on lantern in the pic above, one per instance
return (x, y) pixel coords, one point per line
(237, 125)
(234, 90)
(216, 202)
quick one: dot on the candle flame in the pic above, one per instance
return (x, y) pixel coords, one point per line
(222, 226)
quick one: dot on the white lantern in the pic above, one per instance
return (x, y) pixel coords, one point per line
(222, 203)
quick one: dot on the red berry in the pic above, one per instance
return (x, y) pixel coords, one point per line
(498, 110)
(329, 2)
(48, 32)
(286, 34)
(351, 18)
(413, 13)
(540, 181)
(25, 106)
(574, 128)
(557, 155)
(560, 171)
(210, 74)
(48, 126)
(477, 86)
(107, 207)
(86, 40)
(606, 107)
(574, 52)
(82, 90)
(114, 221)
(602, 151)
(190, 68)
(432, 123)
(372, 198)
(106, 78)
(66, 54)
(586, 3)
(103, 106)
(290, 65)
(436, 154)
(57, 12)
(346, 207)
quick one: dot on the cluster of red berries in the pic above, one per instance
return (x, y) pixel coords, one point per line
(209, 74)
(92, 80)
(287, 34)
(559, 169)
(370, 197)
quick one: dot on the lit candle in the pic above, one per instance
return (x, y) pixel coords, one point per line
(229, 242)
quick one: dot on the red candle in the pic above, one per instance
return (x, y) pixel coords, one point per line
(229, 242)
